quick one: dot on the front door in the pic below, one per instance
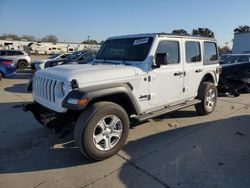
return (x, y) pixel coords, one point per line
(166, 85)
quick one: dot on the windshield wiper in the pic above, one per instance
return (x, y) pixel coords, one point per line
(124, 62)
(103, 61)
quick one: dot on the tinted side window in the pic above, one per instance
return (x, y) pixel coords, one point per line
(210, 52)
(11, 53)
(4, 53)
(19, 53)
(86, 57)
(193, 52)
(171, 48)
(244, 58)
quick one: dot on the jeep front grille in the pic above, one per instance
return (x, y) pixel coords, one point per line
(44, 88)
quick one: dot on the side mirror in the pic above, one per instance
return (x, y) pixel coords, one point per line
(160, 59)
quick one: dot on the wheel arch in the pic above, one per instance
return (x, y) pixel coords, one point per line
(208, 77)
(119, 98)
(118, 93)
(18, 61)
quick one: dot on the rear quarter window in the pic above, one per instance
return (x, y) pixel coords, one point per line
(210, 53)
(193, 52)
(11, 53)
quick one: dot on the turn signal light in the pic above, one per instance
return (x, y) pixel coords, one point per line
(82, 101)
(218, 70)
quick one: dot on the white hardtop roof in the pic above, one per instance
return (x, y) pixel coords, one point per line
(168, 35)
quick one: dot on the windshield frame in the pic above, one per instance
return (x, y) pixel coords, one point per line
(124, 59)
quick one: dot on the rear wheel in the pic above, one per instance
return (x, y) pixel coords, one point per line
(22, 64)
(101, 130)
(208, 95)
(1, 76)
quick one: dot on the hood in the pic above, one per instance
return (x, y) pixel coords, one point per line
(88, 73)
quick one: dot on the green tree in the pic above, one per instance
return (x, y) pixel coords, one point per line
(203, 32)
(50, 38)
(180, 32)
(89, 41)
(242, 29)
(12, 36)
(224, 50)
(28, 37)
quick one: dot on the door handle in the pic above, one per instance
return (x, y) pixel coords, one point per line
(198, 70)
(178, 73)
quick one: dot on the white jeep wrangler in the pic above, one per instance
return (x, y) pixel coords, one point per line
(132, 77)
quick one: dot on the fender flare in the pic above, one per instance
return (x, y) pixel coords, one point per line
(94, 92)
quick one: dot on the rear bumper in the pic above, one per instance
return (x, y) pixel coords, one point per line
(10, 74)
(9, 71)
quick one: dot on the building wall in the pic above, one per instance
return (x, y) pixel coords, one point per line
(45, 47)
(241, 43)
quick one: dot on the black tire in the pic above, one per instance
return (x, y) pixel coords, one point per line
(1, 76)
(205, 107)
(87, 123)
(22, 64)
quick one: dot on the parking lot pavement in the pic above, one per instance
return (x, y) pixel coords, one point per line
(179, 149)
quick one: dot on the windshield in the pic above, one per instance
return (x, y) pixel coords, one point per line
(128, 49)
(53, 56)
(74, 55)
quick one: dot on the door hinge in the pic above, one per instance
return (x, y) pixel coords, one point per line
(149, 78)
(183, 89)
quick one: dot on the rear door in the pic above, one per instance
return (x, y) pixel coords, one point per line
(193, 66)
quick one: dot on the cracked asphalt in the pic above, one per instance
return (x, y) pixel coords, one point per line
(179, 149)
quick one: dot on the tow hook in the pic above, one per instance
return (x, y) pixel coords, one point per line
(46, 118)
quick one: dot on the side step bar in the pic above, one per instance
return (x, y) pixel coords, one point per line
(165, 110)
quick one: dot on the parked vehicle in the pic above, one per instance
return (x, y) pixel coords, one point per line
(235, 77)
(223, 57)
(236, 58)
(7, 68)
(132, 77)
(21, 58)
(80, 57)
(38, 65)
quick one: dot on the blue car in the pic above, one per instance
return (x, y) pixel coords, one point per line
(7, 68)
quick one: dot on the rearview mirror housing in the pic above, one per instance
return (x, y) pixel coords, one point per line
(160, 59)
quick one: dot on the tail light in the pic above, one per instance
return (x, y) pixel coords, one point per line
(218, 70)
(7, 62)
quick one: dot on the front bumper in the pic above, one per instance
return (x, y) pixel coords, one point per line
(43, 115)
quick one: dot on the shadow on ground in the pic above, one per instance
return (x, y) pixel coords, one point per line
(17, 88)
(27, 146)
(212, 154)
(22, 75)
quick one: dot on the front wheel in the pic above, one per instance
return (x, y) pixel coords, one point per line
(208, 95)
(101, 130)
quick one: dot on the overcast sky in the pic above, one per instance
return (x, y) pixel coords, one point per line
(74, 20)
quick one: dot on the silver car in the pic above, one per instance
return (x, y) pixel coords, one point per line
(21, 58)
